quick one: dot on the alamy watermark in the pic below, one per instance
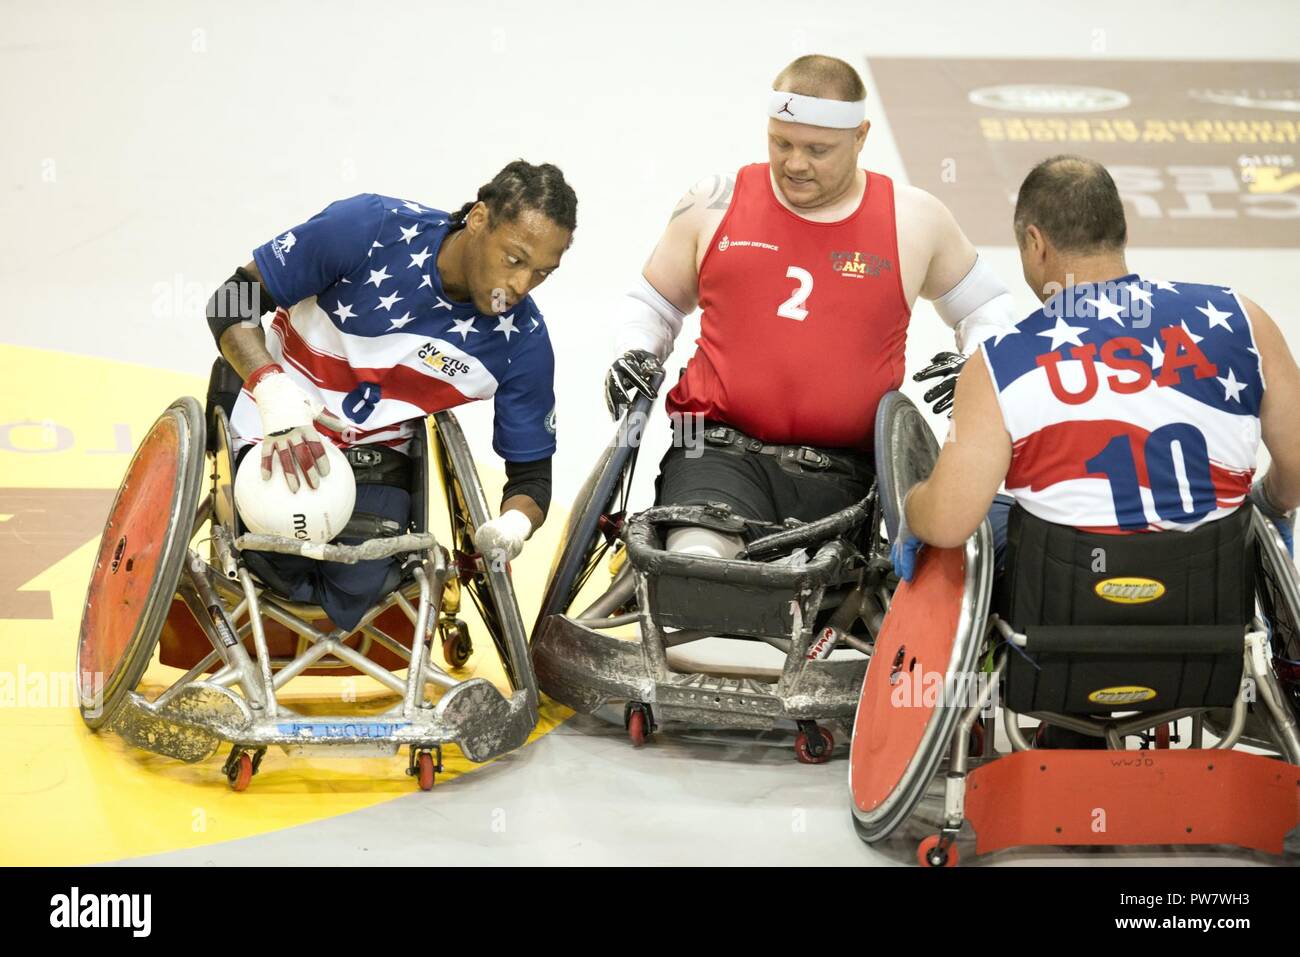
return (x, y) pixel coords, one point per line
(688, 431)
(34, 688)
(1126, 303)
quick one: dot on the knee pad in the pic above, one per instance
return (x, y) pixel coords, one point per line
(694, 540)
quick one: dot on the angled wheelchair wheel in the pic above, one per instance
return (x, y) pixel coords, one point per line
(596, 516)
(140, 559)
(1277, 591)
(491, 589)
(1277, 586)
(904, 724)
(906, 451)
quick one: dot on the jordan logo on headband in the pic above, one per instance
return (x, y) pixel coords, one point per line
(816, 111)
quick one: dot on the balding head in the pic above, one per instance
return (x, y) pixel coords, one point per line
(821, 76)
(1070, 225)
(1075, 205)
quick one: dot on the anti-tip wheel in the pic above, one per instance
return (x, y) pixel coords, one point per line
(931, 854)
(239, 771)
(424, 770)
(810, 751)
(638, 726)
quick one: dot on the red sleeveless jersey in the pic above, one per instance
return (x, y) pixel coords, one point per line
(804, 324)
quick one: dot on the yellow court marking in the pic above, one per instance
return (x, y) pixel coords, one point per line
(69, 796)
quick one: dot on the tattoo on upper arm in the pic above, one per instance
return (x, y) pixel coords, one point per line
(722, 197)
(714, 192)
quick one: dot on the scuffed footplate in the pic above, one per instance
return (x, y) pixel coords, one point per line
(587, 669)
(483, 722)
(190, 727)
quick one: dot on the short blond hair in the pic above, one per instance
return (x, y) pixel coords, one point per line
(822, 76)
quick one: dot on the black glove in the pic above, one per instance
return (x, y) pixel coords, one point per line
(948, 365)
(632, 373)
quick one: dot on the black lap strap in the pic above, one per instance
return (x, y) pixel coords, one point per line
(379, 465)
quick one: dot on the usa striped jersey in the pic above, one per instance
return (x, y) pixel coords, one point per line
(370, 333)
(1132, 405)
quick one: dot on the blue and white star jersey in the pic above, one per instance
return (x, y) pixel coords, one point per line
(1133, 405)
(372, 335)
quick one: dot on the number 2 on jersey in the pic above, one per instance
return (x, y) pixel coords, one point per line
(793, 308)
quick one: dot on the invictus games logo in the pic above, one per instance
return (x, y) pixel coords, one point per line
(723, 243)
(857, 265)
(282, 246)
(1049, 98)
(1129, 591)
(440, 362)
(550, 422)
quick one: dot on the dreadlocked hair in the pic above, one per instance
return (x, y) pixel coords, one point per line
(522, 186)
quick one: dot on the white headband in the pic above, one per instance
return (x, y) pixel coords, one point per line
(814, 111)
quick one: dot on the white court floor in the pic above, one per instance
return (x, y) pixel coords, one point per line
(150, 146)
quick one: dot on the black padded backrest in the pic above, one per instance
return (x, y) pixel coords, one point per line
(224, 384)
(420, 465)
(1058, 575)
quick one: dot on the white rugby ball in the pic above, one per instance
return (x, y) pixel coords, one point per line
(267, 507)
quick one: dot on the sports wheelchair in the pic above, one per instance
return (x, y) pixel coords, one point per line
(1114, 645)
(808, 589)
(157, 593)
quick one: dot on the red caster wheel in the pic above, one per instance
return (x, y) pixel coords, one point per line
(239, 771)
(976, 746)
(1162, 737)
(931, 854)
(424, 770)
(640, 724)
(456, 645)
(636, 728)
(814, 746)
(423, 765)
(639, 721)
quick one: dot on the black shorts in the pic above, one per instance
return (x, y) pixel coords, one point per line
(754, 485)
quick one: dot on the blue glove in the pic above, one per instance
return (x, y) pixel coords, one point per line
(904, 550)
(1284, 521)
